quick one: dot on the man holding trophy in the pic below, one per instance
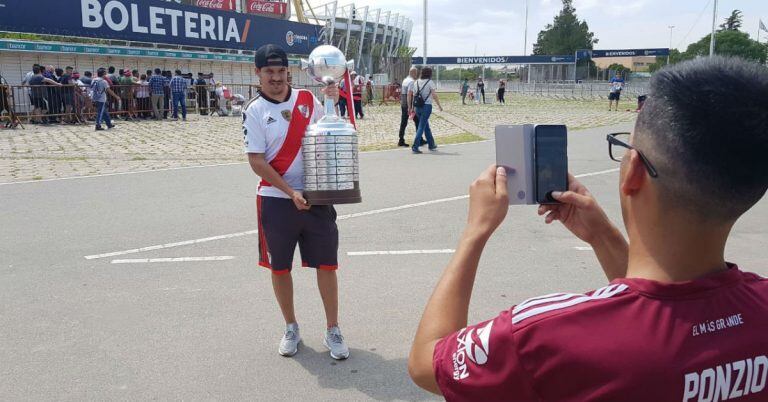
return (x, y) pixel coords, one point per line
(274, 125)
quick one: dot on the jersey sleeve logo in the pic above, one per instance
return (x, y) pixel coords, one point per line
(473, 345)
(558, 301)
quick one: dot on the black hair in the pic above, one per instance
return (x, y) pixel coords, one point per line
(158, 71)
(178, 72)
(143, 77)
(426, 73)
(149, 72)
(111, 69)
(59, 72)
(88, 74)
(68, 68)
(135, 72)
(101, 72)
(36, 69)
(199, 74)
(704, 128)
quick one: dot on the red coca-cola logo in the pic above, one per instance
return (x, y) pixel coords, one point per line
(266, 7)
(216, 4)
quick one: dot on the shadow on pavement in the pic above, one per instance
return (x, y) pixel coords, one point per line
(365, 371)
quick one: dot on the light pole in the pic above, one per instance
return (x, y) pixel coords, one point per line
(712, 38)
(425, 33)
(671, 27)
(525, 34)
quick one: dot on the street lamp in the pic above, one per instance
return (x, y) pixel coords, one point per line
(671, 27)
(425, 33)
(525, 35)
(712, 37)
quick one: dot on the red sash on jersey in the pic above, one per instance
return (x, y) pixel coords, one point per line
(296, 129)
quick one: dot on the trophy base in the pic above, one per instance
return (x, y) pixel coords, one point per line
(332, 197)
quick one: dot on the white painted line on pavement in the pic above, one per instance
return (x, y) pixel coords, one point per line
(169, 245)
(597, 173)
(400, 252)
(122, 173)
(174, 259)
(580, 248)
(397, 208)
(340, 217)
(194, 167)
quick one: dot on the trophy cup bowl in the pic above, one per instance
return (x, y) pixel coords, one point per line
(330, 147)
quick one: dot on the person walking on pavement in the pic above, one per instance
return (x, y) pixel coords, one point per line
(463, 91)
(404, 105)
(274, 123)
(179, 95)
(100, 90)
(420, 98)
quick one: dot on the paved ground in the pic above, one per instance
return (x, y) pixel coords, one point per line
(45, 152)
(77, 328)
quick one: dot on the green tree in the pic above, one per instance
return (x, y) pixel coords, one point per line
(618, 68)
(733, 22)
(729, 43)
(566, 34)
(674, 57)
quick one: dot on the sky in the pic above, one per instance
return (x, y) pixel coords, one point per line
(496, 27)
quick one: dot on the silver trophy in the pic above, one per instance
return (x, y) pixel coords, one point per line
(329, 148)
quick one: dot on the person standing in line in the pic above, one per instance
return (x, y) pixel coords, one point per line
(157, 93)
(201, 87)
(274, 123)
(405, 108)
(502, 90)
(179, 95)
(357, 94)
(38, 94)
(617, 84)
(421, 96)
(221, 99)
(463, 91)
(481, 90)
(100, 90)
(167, 94)
(125, 90)
(142, 97)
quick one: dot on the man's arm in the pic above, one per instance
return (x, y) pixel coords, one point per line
(52, 82)
(580, 213)
(264, 170)
(447, 309)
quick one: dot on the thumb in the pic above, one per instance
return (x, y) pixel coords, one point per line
(572, 198)
(501, 181)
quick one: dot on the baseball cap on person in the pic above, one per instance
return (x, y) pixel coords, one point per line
(271, 55)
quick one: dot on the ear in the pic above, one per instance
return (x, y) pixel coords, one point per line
(635, 176)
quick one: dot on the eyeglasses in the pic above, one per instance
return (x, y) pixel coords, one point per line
(622, 140)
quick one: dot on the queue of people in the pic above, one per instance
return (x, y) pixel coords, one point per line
(66, 96)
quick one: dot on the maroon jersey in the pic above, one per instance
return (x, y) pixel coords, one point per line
(634, 340)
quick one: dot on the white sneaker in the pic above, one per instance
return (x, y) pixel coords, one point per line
(335, 343)
(289, 345)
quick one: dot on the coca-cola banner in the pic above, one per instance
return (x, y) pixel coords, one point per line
(225, 5)
(276, 9)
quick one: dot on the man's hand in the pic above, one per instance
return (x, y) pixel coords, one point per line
(578, 211)
(299, 201)
(488, 201)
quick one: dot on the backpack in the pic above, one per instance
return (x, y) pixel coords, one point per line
(419, 100)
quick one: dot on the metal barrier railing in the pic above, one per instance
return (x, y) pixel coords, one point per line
(46, 104)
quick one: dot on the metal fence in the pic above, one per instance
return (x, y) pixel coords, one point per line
(73, 104)
(558, 90)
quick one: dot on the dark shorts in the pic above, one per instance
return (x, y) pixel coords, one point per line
(282, 227)
(39, 103)
(614, 96)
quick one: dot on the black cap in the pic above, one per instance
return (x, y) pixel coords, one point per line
(271, 55)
